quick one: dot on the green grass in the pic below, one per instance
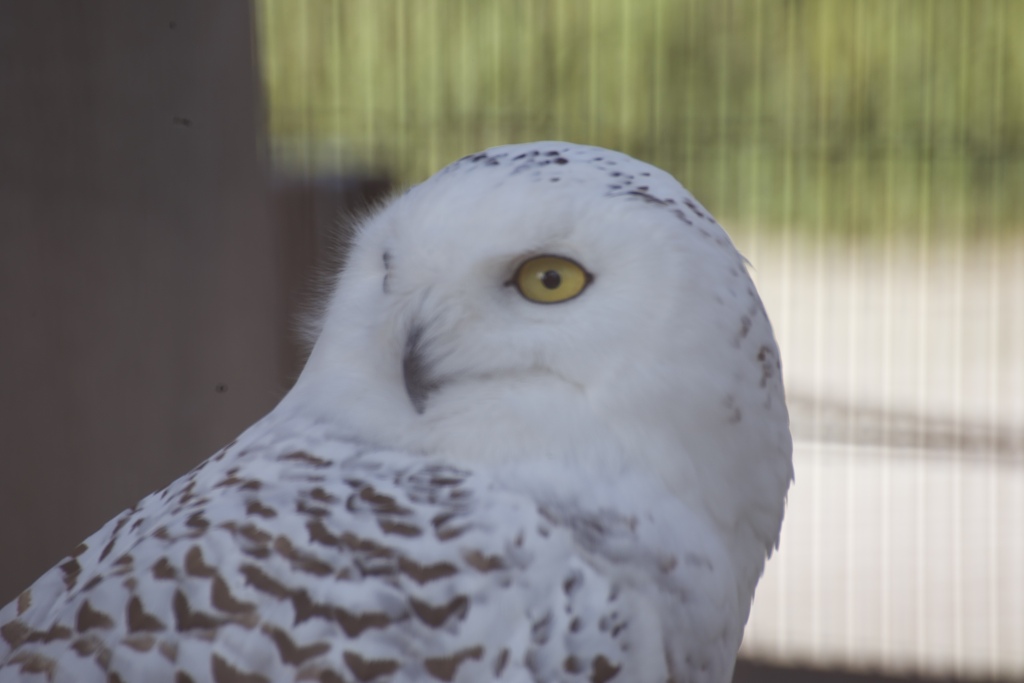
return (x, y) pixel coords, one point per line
(851, 117)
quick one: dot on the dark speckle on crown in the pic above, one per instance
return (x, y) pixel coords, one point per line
(622, 174)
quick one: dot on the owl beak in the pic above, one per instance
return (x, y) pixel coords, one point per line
(415, 370)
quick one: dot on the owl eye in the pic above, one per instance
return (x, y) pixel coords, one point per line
(550, 279)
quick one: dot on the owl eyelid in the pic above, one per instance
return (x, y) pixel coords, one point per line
(526, 259)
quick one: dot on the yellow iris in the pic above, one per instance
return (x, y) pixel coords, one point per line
(551, 279)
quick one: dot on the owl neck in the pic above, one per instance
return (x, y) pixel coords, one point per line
(545, 438)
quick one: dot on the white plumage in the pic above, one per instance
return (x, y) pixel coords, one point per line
(541, 436)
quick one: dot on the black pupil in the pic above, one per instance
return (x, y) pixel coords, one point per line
(551, 279)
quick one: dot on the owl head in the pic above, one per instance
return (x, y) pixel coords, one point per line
(557, 303)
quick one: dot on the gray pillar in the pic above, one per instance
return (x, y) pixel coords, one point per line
(141, 302)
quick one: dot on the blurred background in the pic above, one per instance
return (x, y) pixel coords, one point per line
(173, 174)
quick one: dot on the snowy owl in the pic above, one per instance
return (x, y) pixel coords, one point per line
(541, 436)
